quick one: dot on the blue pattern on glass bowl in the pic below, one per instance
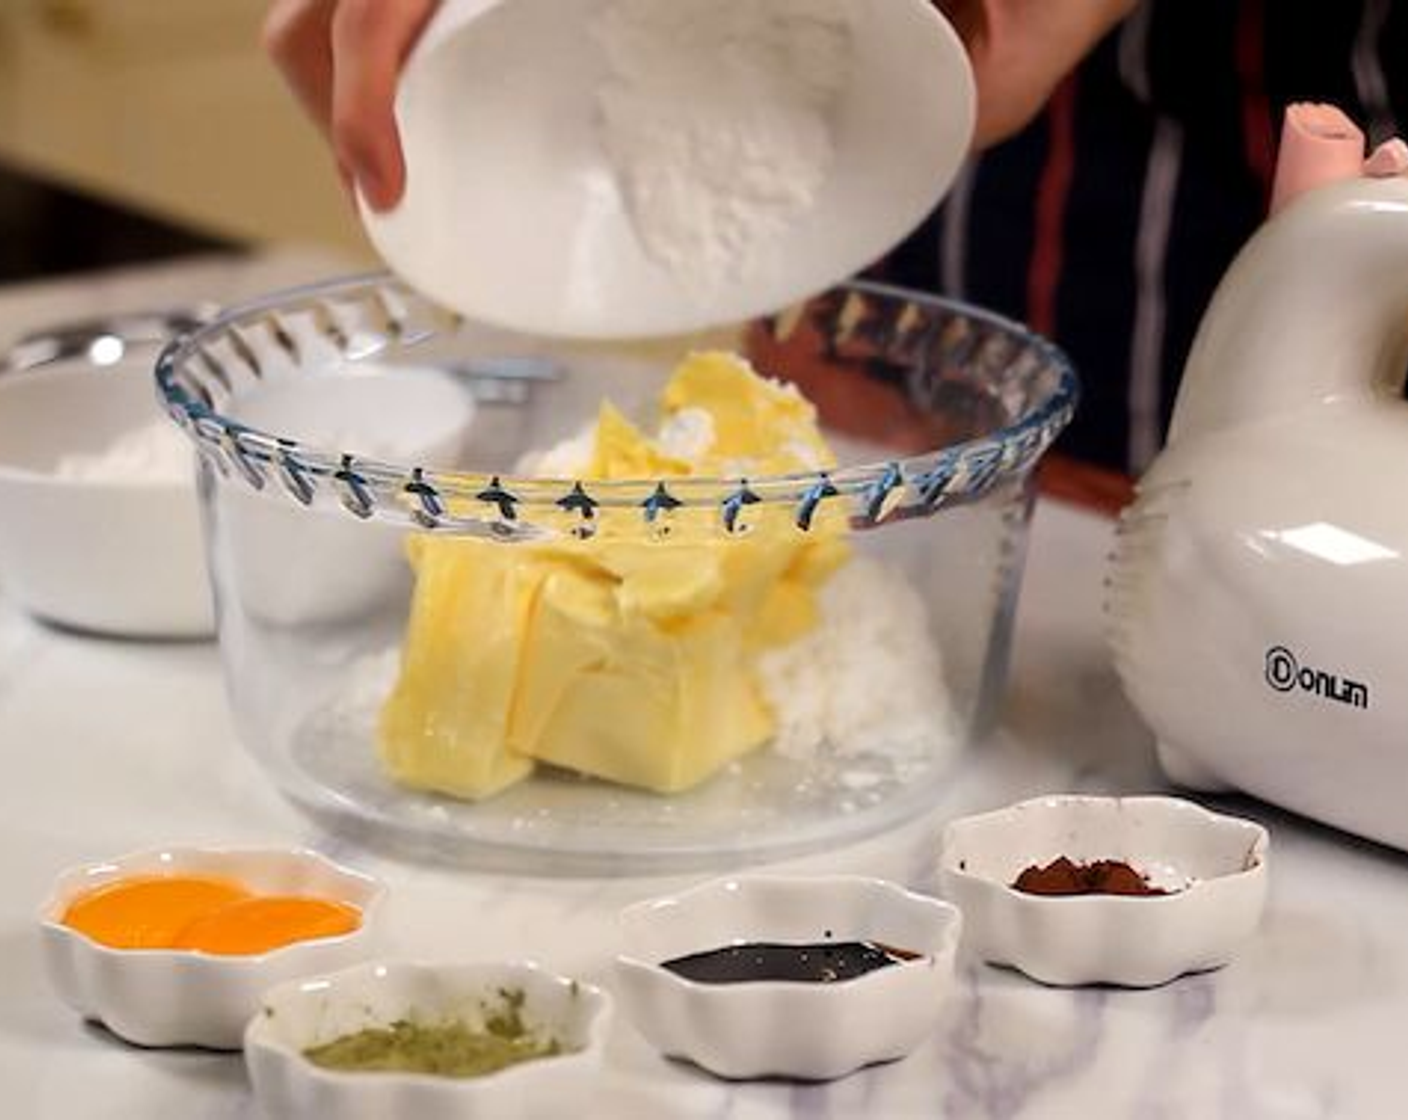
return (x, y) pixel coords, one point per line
(191, 379)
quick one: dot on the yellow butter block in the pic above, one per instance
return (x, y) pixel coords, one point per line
(657, 709)
(621, 451)
(765, 424)
(446, 726)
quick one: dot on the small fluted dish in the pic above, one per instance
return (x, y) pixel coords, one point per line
(808, 1031)
(1212, 866)
(182, 997)
(304, 1014)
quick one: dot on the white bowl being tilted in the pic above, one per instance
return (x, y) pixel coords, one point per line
(536, 201)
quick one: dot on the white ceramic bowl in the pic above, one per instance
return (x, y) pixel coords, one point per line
(177, 997)
(117, 553)
(294, 566)
(804, 1030)
(516, 212)
(303, 1014)
(1214, 865)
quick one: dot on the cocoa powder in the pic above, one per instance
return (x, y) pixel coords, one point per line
(1063, 876)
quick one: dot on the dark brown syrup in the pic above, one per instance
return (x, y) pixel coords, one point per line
(827, 962)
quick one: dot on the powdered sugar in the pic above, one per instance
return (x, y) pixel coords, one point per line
(868, 679)
(565, 459)
(688, 435)
(718, 121)
(154, 453)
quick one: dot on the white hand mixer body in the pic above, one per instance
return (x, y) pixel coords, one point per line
(1258, 600)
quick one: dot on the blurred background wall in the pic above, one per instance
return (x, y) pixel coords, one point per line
(137, 129)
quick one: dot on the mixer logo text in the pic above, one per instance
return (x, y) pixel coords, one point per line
(1285, 673)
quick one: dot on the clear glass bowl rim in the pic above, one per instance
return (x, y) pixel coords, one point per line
(992, 458)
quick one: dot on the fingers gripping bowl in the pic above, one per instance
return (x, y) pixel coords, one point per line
(760, 629)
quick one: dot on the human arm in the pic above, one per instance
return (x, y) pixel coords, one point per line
(1022, 49)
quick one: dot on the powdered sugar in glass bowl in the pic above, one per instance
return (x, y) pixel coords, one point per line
(937, 413)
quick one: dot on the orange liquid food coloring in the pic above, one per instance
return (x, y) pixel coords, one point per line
(258, 925)
(148, 912)
(203, 914)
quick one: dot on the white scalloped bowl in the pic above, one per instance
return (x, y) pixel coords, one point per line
(813, 1032)
(303, 1014)
(1214, 865)
(180, 997)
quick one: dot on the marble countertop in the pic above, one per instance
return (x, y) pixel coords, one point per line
(110, 746)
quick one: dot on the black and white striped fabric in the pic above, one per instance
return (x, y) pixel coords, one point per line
(1109, 221)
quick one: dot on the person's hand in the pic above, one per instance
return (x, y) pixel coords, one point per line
(342, 59)
(1022, 49)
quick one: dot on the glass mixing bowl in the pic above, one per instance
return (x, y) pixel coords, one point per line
(339, 424)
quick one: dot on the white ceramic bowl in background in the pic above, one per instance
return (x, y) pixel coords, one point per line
(306, 1013)
(294, 566)
(514, 214)
(178, 997)
(118, 555)
(803, 1030)
(1215, 865)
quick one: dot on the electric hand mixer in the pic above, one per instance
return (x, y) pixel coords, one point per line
(1259, 592)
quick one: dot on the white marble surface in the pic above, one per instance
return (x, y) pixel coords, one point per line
(109, 746)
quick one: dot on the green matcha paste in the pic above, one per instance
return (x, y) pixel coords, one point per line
(448, 1049)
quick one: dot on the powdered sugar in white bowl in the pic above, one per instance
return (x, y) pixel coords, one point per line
(619, 168)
